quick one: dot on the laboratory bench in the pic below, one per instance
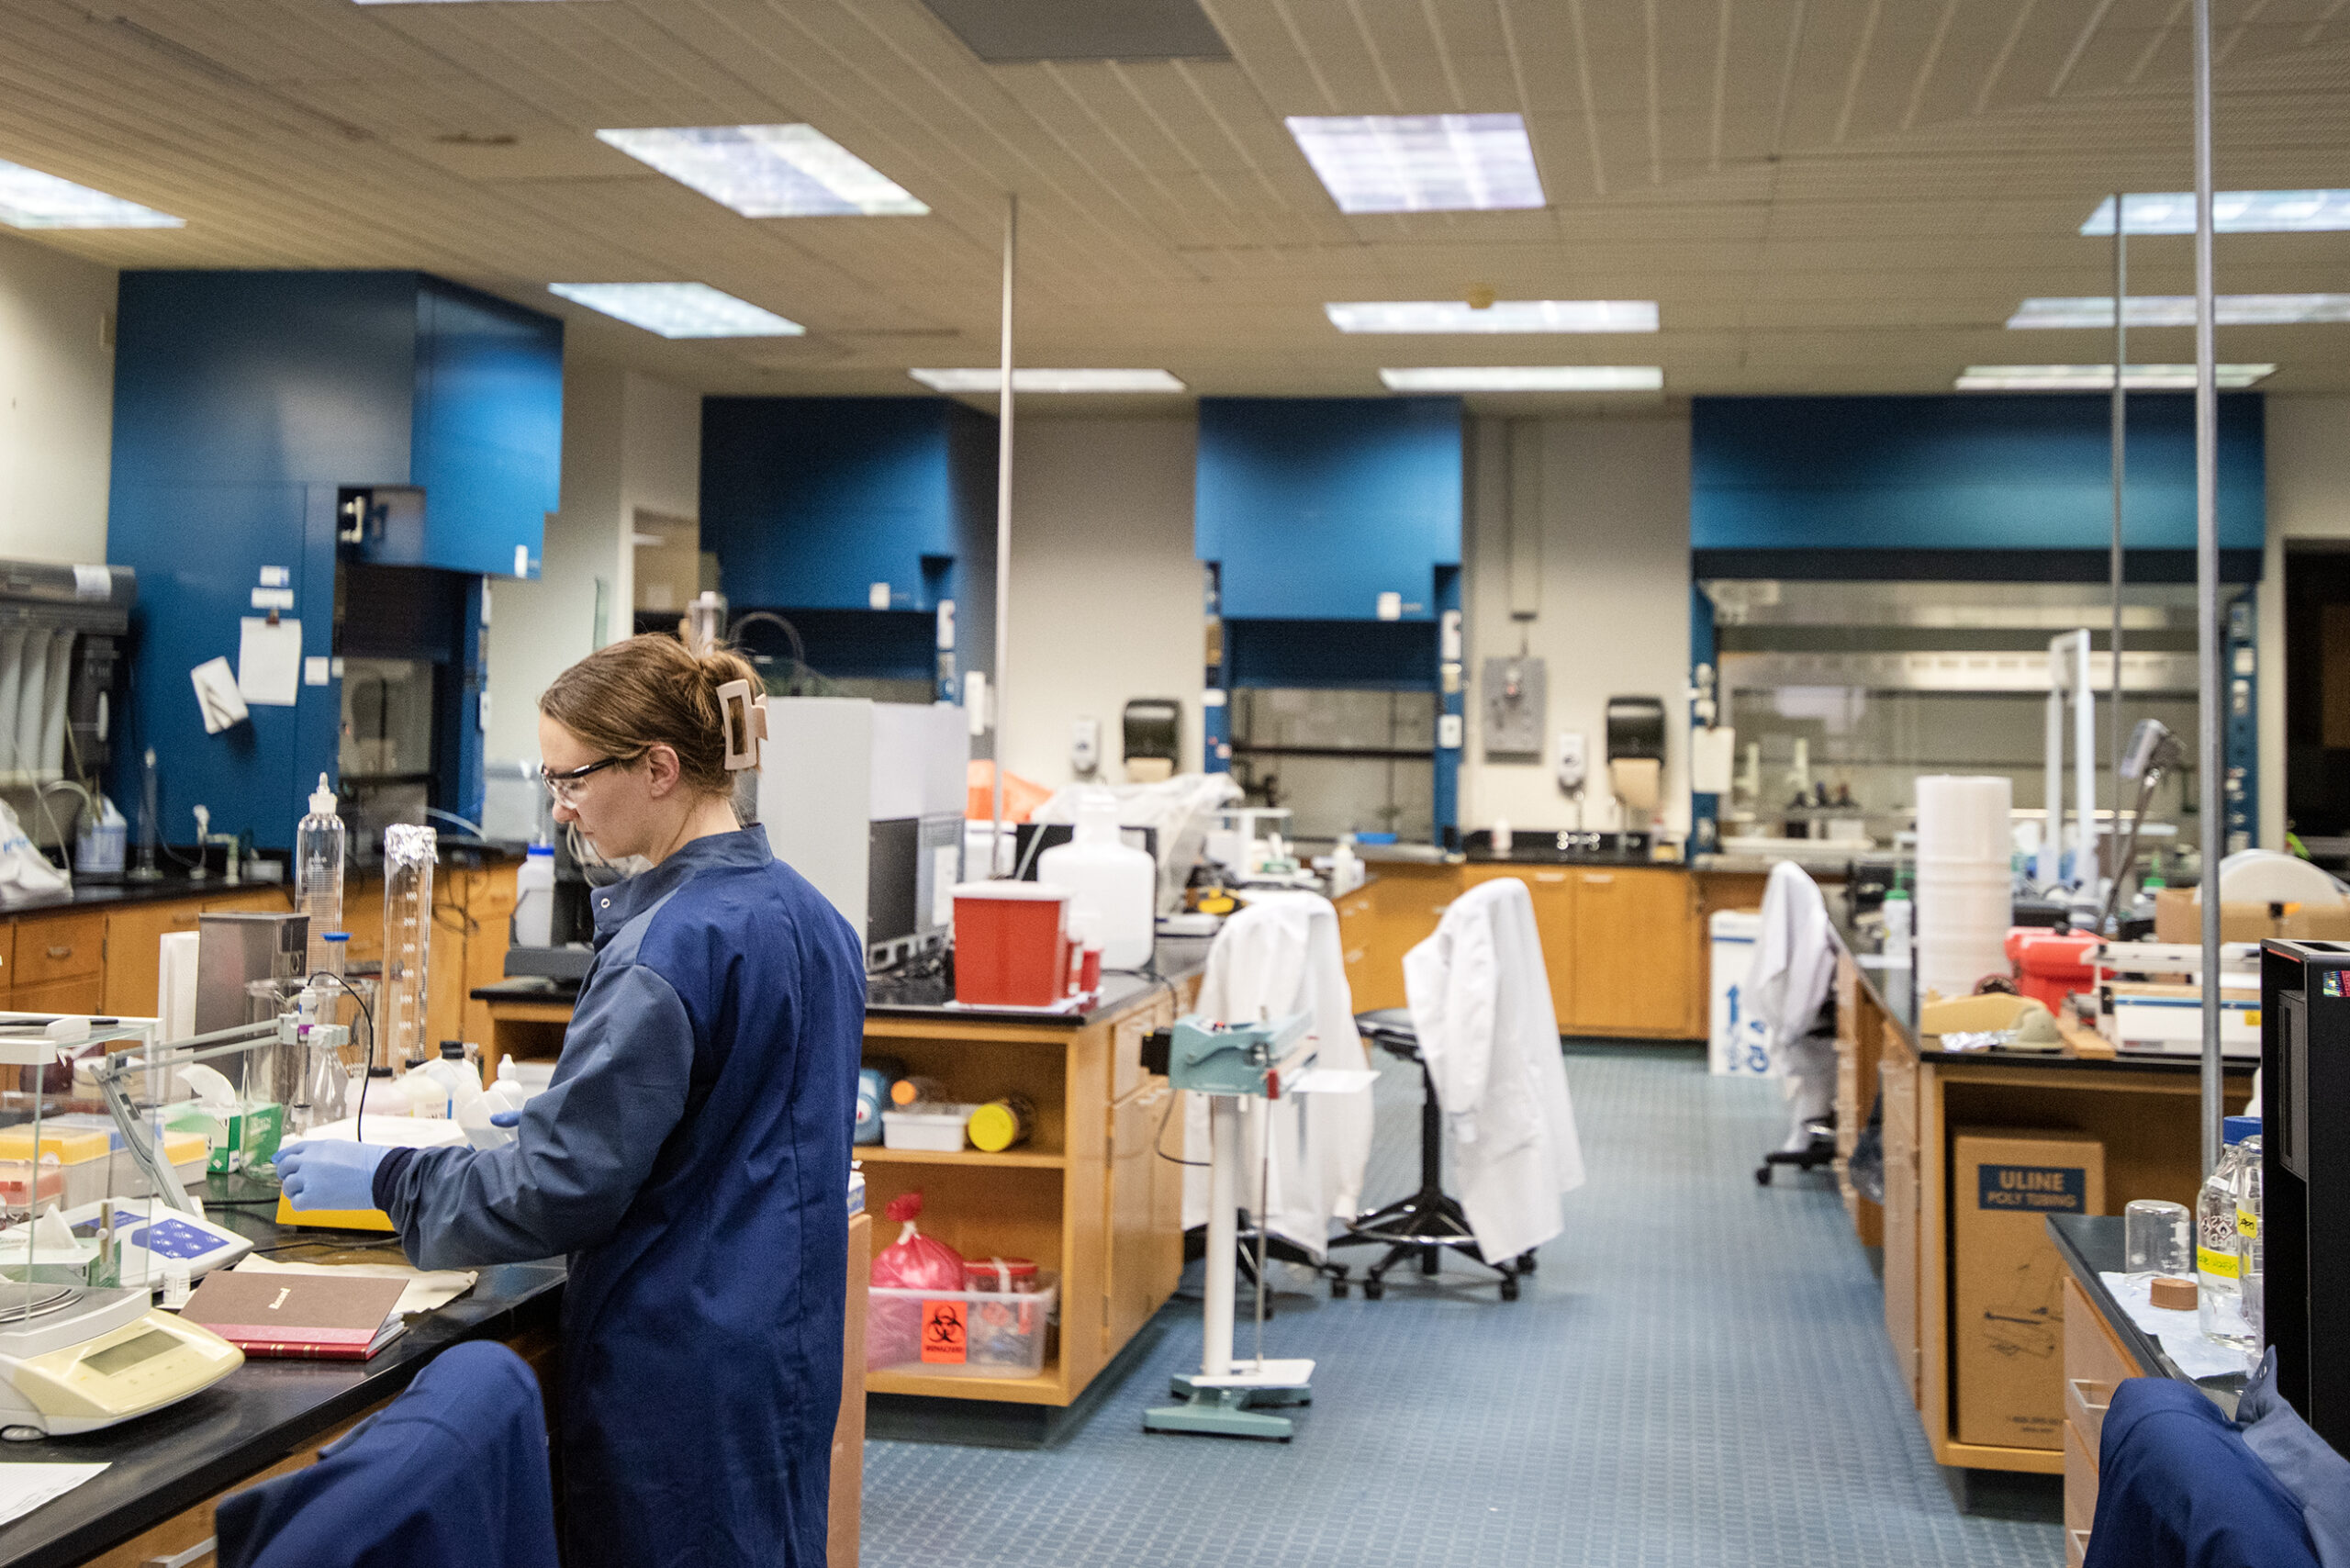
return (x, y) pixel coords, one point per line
(2145, 1111)
(1085, 1196)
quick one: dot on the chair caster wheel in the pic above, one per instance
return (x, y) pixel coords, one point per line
(1337, 1290)
(1373, 1289)
(1509, 1288)
(1526, 1262)
(1762, 1175)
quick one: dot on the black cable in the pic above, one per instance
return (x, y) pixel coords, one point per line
(359, 1120)
(1158, 1139)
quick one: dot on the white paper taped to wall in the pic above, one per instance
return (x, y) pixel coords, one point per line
(269, 661)
(216, 695)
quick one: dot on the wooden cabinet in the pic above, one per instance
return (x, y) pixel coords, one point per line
(2095, 1364)
(1898, 1073)
(1632, 963)
(134, 935)
(1145, 1206)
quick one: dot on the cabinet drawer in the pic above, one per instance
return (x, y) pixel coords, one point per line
(2085, 1405)
(2080, 1480)
(2091, 1352)
(85, 994)
(62, 948)
(2076, 1549)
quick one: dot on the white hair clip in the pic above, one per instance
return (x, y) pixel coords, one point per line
(745, 725)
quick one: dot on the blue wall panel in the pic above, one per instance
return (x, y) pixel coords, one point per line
(488, 423)
(1316, 506)
(1963, 472)
(809, 501)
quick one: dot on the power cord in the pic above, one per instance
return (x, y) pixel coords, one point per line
(359, 1119)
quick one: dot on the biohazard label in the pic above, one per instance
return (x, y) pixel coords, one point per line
(2039, 1189)
(946, 1332)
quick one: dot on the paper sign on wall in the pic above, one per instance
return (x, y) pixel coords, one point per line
(217, 694)
(269, 661)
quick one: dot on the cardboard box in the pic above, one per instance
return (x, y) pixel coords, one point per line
(2007, 1323)
(2178, 917)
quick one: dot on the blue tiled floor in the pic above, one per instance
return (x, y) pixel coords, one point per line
(1697, 1376)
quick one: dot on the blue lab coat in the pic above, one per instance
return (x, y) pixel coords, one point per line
(691, 1156)
(2177, 1487)
(453, 1474)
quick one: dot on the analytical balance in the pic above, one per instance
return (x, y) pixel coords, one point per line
(73, 1359)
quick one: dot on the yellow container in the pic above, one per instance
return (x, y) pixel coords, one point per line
(999, 1124)
(67, 1148)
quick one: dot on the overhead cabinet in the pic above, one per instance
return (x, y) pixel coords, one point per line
(1330, 509)
(846, 503)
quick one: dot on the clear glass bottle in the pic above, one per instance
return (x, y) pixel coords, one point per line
(409, 855)
(2251, 1266)
(2218, 1265)
(320, 853)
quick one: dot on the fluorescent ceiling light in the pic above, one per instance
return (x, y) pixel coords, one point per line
(31, 199)
(2179, 310)
(1037, 380)
(2100, 377)
(680, 310)
(2233, 212)
(768, 170)
(1501, 316)
(1527, 378)
(1420, 163)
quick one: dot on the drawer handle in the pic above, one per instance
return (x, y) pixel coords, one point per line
(61, 952)
(2093, 1395)
(1550, 875)
(188, 1559)
(1591, 879)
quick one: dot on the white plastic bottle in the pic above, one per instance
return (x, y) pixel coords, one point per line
(320, 848)
(1114, 889)
(1899, 913)
(535, 899)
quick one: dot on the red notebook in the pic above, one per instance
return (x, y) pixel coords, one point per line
(297, 1315)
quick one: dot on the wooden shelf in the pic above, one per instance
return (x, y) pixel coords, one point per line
(1044, 1388)
(1018, 1159)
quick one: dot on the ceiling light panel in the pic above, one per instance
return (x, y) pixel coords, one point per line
(1501, 315)
(768, 170)
(1421, 163)
(1040, 380)
(2179, 310)
(2100, 377)
(680, 310)
(1527, 378)
(2233, 212)
(31, 199)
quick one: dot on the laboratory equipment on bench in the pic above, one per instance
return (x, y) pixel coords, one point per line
(409, 855)
(2150, 997)
(320, 851)
(1114, 890)
(865, 800)
(1230, 1063)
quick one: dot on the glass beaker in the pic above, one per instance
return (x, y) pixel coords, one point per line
(410, 853)
(2157, 1238)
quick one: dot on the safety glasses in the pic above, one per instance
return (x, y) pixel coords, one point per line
(564, 787)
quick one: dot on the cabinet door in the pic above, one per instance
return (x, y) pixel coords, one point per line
(1144, 1215)
(84, 995)
(1631, 952)
(1553, 891)
(61, 946)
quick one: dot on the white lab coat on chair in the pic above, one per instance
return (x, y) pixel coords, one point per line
(1277, 956)
(1480, 1006)
(1795, 963)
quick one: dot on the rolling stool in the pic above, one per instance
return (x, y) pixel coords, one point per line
(1430, 1222)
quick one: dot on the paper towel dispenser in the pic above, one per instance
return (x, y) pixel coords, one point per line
(1635, 728)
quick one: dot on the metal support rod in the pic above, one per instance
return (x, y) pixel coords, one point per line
(2121, 466)
(2212, 785)
(1002, 533)
(2085, 856)
(1224, 1234)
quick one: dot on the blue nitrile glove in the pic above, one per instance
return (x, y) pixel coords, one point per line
(329, 1173)
(504, 1118)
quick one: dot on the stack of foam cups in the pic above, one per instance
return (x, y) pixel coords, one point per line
(1965, 891)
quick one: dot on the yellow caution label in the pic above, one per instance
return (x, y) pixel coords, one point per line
(2247, 1224)
(2220, 1265)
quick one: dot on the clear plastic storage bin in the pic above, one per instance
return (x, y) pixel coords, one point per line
(960, 1333)
(929, 1126)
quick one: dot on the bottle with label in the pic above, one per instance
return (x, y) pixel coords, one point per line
(2219, 1270)
(319, 846)
(2253, 1272)
(534, 898)
(1899, 913)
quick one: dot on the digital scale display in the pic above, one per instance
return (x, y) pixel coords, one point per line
(121, 1358)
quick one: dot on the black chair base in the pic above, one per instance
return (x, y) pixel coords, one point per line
(1819, 1152)
(1277, 1249)
(1430, 1223)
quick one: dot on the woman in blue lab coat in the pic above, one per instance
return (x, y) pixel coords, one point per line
(691, 1155)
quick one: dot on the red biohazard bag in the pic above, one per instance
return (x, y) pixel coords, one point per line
(915, 1262)
(893, 1329)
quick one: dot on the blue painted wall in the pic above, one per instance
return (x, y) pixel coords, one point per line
(809, 501)
(2030, 471)
(242, 402)
(1315, 507)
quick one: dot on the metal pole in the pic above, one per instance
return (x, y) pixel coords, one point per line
(2121, 438)
(1003, 531)
(2211, 785)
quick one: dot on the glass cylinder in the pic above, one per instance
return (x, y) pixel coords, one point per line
(409, 853)
(2157, 1238)
(320, 855)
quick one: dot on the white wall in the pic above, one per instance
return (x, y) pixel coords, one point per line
(629, 442)
(1610, 498)
(56, 404)
(1106, 589)
(2309, 499)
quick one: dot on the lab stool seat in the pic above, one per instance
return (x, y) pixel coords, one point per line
(1430, 1223)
